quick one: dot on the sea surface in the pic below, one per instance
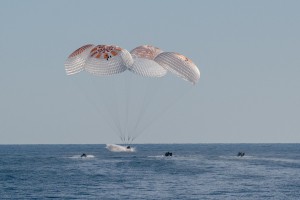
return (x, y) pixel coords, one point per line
(195, 171)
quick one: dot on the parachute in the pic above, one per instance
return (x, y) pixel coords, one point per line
(100, 60)
(144, 61)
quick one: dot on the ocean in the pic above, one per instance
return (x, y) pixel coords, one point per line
(195, 171)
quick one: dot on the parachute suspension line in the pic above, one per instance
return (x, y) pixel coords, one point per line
(153, 92)
(115, 98)
(109, 109)
(132, 139)
(149, 94)
(127, 103)
(164, 111)
(122, 139)
(141, 111)
(99, 111)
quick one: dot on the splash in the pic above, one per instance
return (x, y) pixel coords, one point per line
(119, 148)
(79, 157)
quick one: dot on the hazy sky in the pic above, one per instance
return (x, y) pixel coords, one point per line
(247, 52)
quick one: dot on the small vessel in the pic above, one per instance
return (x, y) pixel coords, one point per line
(168, 154)
(241, 154)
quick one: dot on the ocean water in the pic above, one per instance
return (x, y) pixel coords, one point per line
(195, 171)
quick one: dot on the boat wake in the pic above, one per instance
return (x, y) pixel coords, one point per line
(82, 157)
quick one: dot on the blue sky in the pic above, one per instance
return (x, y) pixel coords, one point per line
(247, 52)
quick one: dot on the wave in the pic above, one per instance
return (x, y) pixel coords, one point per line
(272, 159)
(158, 156)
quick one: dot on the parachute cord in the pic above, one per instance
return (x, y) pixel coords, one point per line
(99, 111)
(123, 140)
(113, 117)
(128, 139)
(116, 107)
(113, 110)
(145, 104)
(164, 111)
(148, 98)
(128, 92)
(109, 109)
(132, 139)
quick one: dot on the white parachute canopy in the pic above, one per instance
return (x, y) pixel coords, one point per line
(76, 60)
(144, 61)
(179, 65)
(99, 60)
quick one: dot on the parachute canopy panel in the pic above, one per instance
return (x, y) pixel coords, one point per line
(144, 63)
(179, 65)
(76, 60)
(105, 60)
(146, 51)
(148, 68)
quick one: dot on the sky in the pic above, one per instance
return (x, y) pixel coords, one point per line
(247, 52)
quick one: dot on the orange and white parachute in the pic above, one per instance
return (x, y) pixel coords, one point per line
(179, 65)
(144, 63)
(115, 105)
(99, 60)
(76, 60)
(146, 60)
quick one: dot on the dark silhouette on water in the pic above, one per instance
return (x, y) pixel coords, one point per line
(241, 154)
(83, 155)
(128, 147)
(168, 154)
